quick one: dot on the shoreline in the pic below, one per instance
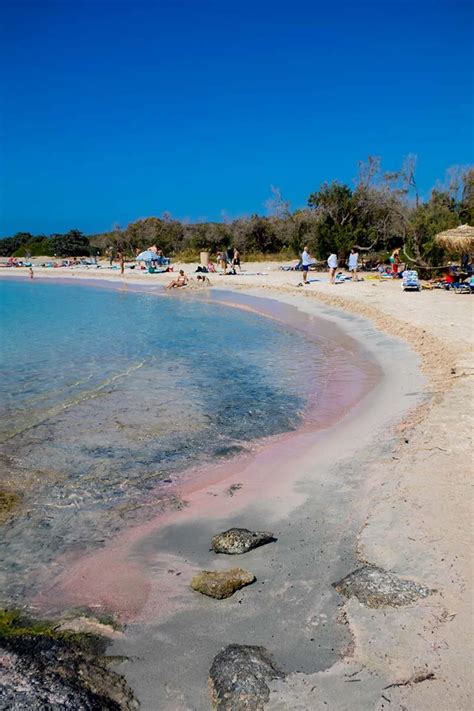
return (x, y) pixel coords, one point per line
(340, 403)
(161, 545)
(421, 510)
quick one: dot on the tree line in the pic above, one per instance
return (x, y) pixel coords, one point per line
(383, 210)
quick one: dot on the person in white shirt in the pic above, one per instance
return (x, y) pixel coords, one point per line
(306, 261)
(353, 260)
(332, 264)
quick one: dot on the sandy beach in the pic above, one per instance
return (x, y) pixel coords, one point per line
(388, 485)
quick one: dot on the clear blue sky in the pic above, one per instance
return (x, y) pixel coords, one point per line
(114, 110)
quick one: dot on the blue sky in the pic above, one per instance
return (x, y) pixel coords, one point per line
(115, 110)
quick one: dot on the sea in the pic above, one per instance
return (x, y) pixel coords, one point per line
(108, 392)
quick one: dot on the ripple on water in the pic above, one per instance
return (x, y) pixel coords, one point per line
(106, 393)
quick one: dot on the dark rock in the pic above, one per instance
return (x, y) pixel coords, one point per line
(228, 450)
(375, 587)
(221, 584)
(58, 671)
(239, 677)
(240, 540)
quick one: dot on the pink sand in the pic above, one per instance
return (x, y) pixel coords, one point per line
(117, 579)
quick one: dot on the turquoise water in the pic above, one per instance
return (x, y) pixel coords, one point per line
(104, 393)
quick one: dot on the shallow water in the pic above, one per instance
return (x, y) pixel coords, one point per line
(104, 393)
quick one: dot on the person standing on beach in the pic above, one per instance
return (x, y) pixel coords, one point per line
(110, 256)
(236, 259)
(353, 261)
(306, 261)
(222, 259)
(30, 270)
(332, 264)
(395, 261)
(121, 261)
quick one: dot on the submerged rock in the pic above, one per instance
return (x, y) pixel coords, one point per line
(9, 500)
(88, 625)
(228, 450)
(240, 540)
(221, 584)
(59, 671)
(239, 677)
(375, 587)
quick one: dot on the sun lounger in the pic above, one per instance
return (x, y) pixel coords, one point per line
(465, 287)
(410, 280)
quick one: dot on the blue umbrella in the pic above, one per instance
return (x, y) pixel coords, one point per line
(146, 256)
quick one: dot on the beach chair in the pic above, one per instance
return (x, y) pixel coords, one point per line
(410, 280)
(465, 287)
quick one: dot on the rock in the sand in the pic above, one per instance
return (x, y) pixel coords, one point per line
(88, 625)
(43, 668)
(221, 584)
(240, 540)
(39, 674)
(239, 677)
(375, 587)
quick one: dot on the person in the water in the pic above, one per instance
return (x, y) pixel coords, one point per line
(182, 280)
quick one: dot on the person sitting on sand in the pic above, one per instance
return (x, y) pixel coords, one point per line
(182, 280)
(203, 280)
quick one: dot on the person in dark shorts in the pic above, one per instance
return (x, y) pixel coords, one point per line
(236, 259)
(306, 262)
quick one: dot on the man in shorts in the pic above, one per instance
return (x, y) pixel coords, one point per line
(236, 259)
(306, 262)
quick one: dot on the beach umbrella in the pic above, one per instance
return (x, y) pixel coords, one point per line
(146, 256)
(459, 239)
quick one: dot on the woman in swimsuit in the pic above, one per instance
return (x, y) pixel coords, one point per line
(182, 280)
(395, 261)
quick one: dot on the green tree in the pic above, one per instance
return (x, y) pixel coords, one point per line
(466, 207)
(337, 219)
(439, 213)
(72, 244)
(10, 245)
